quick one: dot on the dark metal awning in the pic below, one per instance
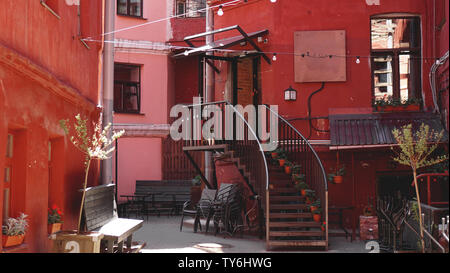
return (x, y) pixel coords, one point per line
(224, 43)
(375, 130)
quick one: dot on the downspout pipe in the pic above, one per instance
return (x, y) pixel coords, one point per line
(208, 95)
(108, 83)
(432, 79)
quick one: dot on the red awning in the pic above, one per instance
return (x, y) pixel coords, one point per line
(375, 130)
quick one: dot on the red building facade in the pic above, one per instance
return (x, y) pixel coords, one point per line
(41, 84)
(329, 96)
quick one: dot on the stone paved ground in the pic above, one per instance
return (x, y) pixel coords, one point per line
(162, 235)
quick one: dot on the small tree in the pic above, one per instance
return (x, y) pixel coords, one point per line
(415, 151)
(97, 146)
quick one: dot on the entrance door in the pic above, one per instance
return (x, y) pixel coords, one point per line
(247, 82)
(8, 173)
(395, 186)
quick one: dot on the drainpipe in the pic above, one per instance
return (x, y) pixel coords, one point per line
(208, 95)
(108, 83)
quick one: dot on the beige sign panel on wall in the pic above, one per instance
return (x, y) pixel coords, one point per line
(312, 61)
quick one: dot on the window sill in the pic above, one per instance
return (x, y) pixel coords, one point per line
(133, 17)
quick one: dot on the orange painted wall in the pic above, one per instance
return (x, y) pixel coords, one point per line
(40, 84)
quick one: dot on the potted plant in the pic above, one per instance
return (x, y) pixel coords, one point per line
(281, 159)
(196, 189)
(310, 196)
(302, 187)
(54, 219)
(97, 146)
(275, 153)
(337, 178)
(317, 214)
(314, 205)
(288, 167)
(13, 233)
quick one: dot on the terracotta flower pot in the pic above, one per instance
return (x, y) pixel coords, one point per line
(55, 227)
(316, 217)
(274, 155)
(338, 179)
(313, 208)
(287, 169)
(303, 192)
(9, 241)
(281, 161)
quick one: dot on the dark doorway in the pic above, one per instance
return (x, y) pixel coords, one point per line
(396, 186)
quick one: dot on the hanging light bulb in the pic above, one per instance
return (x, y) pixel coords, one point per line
(273, 1)
(220, 11)
(274, 58)
(358, 61)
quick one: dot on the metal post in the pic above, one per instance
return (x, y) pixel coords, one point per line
(108, 83)
(209, 88)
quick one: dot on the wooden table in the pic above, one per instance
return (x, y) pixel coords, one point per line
(339, 210)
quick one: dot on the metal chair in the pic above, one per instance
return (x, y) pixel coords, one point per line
(199, 210)
(226, 210)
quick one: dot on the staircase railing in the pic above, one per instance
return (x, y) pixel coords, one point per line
(300, 152)
(247, 147)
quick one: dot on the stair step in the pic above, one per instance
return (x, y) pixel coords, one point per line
(305, 243)
(283, 190)
(295, 233)
(281, 198)
(290, 215)
(206, 147)
(294, 224)
(288, 207)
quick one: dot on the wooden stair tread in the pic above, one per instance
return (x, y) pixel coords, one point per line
(288, 206)
(278, 198)
(294, 224)
(305, 243)
(299, 233)
(206, 147)
(290, 215)
(283, 190)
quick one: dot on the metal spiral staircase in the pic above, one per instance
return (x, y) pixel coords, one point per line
(288, 221)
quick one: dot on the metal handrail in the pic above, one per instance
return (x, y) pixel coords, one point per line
(266, 170)
(307, 143)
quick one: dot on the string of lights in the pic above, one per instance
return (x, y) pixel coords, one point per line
(156, 45)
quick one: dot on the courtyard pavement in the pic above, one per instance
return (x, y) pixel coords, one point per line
(162, 235)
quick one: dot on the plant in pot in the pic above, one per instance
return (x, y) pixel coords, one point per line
(302, 187)
(314, 205)
(13, 233)
(275, 153)
(97, 146)
(282, 159)
(338, 176)
(310, 196)
(317, 214)
(54, 219)
(196, 189)
(288, 167)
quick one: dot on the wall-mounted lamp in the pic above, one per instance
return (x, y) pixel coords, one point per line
(290, 94)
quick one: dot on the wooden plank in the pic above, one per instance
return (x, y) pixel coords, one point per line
(120, 228)
(299, 243)
(300, 233)
(290, 215)
(293, 224)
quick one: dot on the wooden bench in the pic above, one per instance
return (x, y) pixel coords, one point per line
(100, 214)
(164, 195)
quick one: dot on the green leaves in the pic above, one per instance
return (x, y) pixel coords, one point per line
(416, 148)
